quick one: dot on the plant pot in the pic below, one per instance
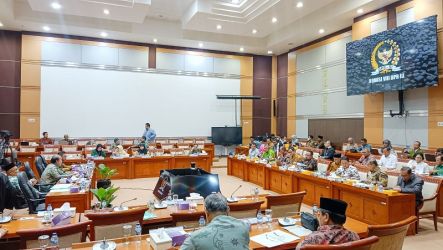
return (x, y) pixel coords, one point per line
(103, 183)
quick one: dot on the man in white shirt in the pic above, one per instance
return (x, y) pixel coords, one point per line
(388, 160)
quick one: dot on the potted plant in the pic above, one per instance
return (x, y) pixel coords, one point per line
(105, 174)
(105, 195)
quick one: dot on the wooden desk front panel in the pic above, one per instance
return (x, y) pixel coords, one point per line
(150, 167)
(81, 201)
(255, 173)
(123, 167)
(280, 181)
(237, 168)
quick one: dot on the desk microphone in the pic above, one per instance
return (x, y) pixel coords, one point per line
(232, 198)
(121, 208)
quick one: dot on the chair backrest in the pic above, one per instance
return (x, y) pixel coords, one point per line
(283, 204)
(69, 148)
(40, 164)
(322, 167)
(67, 235)
(392, 180)
(47, 155)
(28, 191)
(110, 224)
(430, 157)
(29, 173)
(363, 244)
(27, 149)
(430, 191)
(5, 196)
(244, 209)
(187, 220)
(391, 236)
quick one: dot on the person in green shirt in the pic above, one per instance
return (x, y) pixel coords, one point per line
(53, 172)
(438, 169)
(414, 151)
(269, 152)
(98, 151)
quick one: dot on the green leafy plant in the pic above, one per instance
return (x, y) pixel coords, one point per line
(105, 172)
(105, 194)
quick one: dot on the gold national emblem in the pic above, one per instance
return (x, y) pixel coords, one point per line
(385, 57)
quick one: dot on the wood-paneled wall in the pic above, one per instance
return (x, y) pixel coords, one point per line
(337, 130)
(10, 52)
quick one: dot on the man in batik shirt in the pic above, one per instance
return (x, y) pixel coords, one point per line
(331, 217)
(375, 175)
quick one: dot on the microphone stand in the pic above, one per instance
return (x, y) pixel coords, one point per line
(121, 208)
(232, 198)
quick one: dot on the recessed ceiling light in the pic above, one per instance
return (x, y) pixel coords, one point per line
(106, 12)
(269, 52)
(154, 40)
(56, 5)
(103, 34)
(46, 28)
(200, 44)
(1, 24)
(321, 31)
(299, 4)
(242, 49)
(274, 20)
(235, 1)
(360, 11)
(254, 31)
(219, 27)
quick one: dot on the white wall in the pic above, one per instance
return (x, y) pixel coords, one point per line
(321, 86)
(97, 103)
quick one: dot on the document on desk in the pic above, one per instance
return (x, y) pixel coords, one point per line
(274, 238)
(298, 230)
(60, 188)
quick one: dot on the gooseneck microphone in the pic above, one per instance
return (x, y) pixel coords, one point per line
(232, 198)
(121, 208)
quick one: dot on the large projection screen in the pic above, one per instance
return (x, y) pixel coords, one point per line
(103, 103)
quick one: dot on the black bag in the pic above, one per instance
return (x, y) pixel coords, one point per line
(309, 221)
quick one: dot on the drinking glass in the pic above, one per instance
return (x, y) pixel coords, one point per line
(268, 214)
(127, 230)
(175, 201)
(43, 240)
(252, 193)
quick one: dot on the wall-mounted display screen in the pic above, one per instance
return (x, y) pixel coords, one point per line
(397, 59)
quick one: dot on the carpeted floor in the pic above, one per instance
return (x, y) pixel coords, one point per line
(427, 238)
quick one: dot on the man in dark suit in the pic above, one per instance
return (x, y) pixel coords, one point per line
(328, 152)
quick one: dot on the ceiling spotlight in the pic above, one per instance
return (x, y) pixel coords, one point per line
(1, 24)
(46, 28)
(56, 6)
(242, 49)
(269, 52)
(219, 26)
(154, 40)
(254, 31)
(200, 44)
(274, 20)
(299, 4)
(360, 11)
(106, 11)
(103, 34)
(321, 31)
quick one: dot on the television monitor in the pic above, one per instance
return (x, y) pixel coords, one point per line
(398, 59)
(226, 135)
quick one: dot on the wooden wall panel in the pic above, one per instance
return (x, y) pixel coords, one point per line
(10, 54)
(337, 130)
(246, 88)
(282, 95)
(274, 102)
(262, 86)
(291, 93)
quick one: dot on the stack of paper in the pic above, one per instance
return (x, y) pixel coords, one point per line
(298, 230)
(274, 238)
(61, 188)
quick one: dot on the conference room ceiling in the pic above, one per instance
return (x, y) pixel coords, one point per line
(226, 25)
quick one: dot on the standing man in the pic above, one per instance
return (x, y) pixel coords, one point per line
(149, 133)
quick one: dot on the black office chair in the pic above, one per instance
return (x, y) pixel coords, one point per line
(43, 188)
(35, 200)
(40, 164)
(5, 194)
(29, 173)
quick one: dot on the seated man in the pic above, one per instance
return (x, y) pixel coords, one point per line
(388, 160)
(195, 150)
(366, 157)
(320, 143)
(375, 175)
(346, 170)
(438, 169)
(329, 151)
(18, 199)
(335, 164)
(414, 150)
(311, 142)
(351, 145)
(309, 162)
(53, 172)
(45, 139)
(222, 232)
(66, 140)
(364, 144)
(253, 151)
(418, 166)
(408, 182)
(331, 218)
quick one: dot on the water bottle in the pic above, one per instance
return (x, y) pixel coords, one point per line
(380, 188)
(201, 221)
(259, 218)
(138, 232)
(48, 214)
(54, 240)
(314, 209)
